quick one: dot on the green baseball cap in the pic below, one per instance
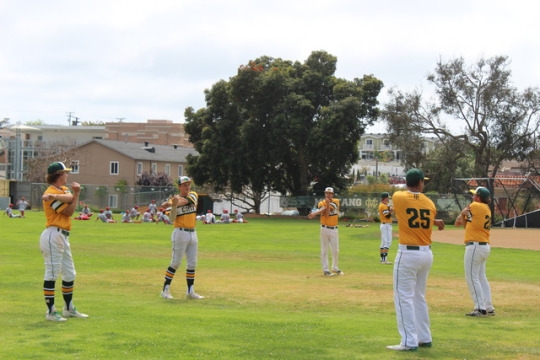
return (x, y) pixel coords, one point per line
(482, 192)
(414, 176)
(183, 179)
(57, 166)
(385, 195)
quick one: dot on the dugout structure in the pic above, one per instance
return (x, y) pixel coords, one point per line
(515, 198)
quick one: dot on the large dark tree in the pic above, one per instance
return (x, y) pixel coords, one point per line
(281, 125)
(497, 121)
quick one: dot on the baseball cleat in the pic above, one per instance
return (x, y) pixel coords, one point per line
(425, 344)
(477, 312)
(194, 295)
(491, 313)
(166, 294)
(328, 273)
(54, 316)
(402, 348)
(73, 313)
(339, 272)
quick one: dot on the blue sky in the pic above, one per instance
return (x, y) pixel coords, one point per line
(139, 60)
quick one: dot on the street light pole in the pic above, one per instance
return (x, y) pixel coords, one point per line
(17, 166)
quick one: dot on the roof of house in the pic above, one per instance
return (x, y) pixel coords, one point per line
(137, 151)
(510, 181)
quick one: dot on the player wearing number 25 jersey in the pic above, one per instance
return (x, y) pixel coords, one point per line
(415, 214)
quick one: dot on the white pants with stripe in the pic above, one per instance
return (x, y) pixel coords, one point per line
(411, 270)
(56, 252)
(386, 235)
(475, 274)
(329, 239)
(184, 243)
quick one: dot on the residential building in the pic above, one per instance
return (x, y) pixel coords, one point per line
(19, 143)
(105, 162)
(108, 172)
(159, 132)
(378, 156)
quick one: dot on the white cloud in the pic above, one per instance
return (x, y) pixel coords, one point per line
(146, 60)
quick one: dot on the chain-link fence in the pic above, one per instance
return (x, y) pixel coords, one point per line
(364, 206)
(357, 206)
(117, 198)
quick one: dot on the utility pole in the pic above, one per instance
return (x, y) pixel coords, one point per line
(69, 117)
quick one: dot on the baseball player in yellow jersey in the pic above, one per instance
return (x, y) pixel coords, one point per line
(328, 209)
(184, 237)
(415, 214)
(59, 204)
(477, 221)
(385, 214)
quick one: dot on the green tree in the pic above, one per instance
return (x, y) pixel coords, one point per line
(92, 123)
(445, 163)
(4, 122)
(281, 125)
(498, 122)
(35, 122)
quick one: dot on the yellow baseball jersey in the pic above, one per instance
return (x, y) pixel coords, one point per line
(186, 216)
(53, 208)
(384, 213)
(415, 214)
(479, 223)
(333, 215)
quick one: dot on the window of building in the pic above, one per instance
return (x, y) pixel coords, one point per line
(114, 168)
(139, 168)
(168, 169)
(368, 144)
(154, 168)
(113, 201)
(180, 170)
(75, 166)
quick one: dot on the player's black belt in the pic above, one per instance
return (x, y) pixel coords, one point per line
(414, 247)
(476, 243)
(64, 232)
(188, 230)
(329, 227)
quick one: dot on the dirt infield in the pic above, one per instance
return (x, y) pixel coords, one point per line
(527, 239)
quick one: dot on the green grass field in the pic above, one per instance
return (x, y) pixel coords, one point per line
(266, 297)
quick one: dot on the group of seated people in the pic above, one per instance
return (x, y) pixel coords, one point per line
(225, 218)
(151, 214)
